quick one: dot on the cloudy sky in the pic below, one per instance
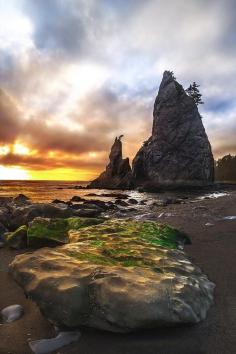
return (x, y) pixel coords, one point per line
(76, 73)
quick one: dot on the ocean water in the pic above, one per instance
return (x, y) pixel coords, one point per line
(47, 191)
(41, 191)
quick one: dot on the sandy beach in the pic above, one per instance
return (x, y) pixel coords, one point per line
(213, 249)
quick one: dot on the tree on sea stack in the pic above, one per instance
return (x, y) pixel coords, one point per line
(194, 92)
(171, 73)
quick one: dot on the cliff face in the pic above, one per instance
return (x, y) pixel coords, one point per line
(178, 151)
(118, 172)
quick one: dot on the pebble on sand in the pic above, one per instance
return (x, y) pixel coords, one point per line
(231, 217)
(12, 313)
(209, 224)
(44, 346)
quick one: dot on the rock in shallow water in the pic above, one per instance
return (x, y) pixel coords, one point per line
(21, 199)
(118, 276)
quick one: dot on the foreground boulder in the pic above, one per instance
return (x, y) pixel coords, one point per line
(118, 172)
(178, 152)
(119, 276)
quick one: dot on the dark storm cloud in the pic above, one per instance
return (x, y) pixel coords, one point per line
(10, 119)
(38, 134)
(104, 115)
(45, 163)
(41, 136)
(58, 25)
(69, 29)
(108, 112)
(77, 28)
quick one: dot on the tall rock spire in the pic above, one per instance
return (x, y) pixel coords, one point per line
(178, 151)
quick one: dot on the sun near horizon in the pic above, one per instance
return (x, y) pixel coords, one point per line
(48, 174)
(16, 173)
(61, 174)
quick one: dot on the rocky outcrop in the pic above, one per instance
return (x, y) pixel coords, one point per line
(18, 238)
(48, 232)
(119, 276)
(43, 232)
(118, 172)
(24, 214)
(178, 152)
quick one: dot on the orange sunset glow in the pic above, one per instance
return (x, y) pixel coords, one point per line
(14, 172)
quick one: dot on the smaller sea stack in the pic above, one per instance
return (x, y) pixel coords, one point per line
(118, 173)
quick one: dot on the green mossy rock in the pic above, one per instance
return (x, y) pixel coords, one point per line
(128, 237)
(46, 231)
(119, 275)
(18, 238)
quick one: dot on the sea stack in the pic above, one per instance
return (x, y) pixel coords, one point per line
(178, 153)
(118, 173)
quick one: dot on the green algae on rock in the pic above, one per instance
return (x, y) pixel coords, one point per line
(143, 231)
(125, 242)
(120, 276)
(44, 231)
(18, 238)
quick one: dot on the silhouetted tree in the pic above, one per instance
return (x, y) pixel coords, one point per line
(172, 74)
(225, 168)
(194, 92)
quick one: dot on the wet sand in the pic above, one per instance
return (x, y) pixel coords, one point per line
(213, 249)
